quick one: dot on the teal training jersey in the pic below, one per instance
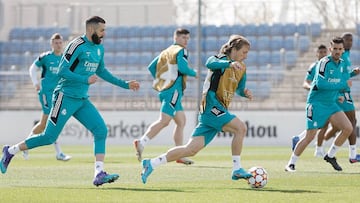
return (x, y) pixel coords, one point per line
(330, 78)
(49, 64)
(311, 72)
(346, 57)
(219, 64)
(183, 69)
(81, 60)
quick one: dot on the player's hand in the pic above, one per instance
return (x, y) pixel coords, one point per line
(341, 99)
(197, 75)
(356, 70)
(134, 85)
(92, 79)
(248, 94)
(237, 65)
(37, 87)
(349, 83)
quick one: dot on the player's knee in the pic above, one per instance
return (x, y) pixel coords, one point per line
(180, 124)
(99, 130)
(192, 152)
(164, 123)
(50, 140)
(348, 129)
(242, 129)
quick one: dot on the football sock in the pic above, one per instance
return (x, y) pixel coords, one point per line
(319, 148)
(332, 151)
(144, 139)
(14, 149)
(57, 148)
(158, 161)
(99, 166)
(236, 162)
(293, 159)
(352, 151)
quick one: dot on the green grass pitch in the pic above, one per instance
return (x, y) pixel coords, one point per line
(44, 179)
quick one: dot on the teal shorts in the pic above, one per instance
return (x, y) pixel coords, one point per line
(348, 104)
(212, 119)
(82, 110)
(318, 114)
(171, 102)
(45, 99)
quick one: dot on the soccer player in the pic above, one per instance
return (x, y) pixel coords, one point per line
(331, 76)
(321, 52)
(80, 66)
(48, 63)
(226, 76)
(348, 105)
(170, 70)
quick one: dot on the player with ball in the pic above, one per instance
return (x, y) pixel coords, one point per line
(226, 76)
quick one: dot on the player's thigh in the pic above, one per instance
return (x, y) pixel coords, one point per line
(196, 143)
(180, 118)
(90, 117)
(235, 125)
(43, 119)
(340, 121)
(45, 101)
(351, 116)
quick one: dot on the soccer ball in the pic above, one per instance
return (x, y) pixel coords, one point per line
(259, 177)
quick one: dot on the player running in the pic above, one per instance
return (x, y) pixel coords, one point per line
(80, 66)
(331, 76)
(48, 63)
(170, 70)
(226, 76)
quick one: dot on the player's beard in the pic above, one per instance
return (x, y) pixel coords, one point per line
(95, 38)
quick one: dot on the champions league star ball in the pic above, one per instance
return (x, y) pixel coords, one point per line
(259, 177)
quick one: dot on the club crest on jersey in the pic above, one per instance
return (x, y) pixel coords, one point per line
(63, 112)
(217, 112)
(98, 52)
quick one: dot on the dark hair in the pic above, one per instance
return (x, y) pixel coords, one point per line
(94, 20)
(336, 40)
(321, 46)
(346, 34)
(235, 41)
(181, 31)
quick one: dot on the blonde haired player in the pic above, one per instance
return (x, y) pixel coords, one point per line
(226, 76)
(48, 63)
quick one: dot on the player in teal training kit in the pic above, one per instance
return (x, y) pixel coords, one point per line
(226, 76)
(331, 76)
(48, 63)
(321, 52)
(169, 70)
(81, 63)
(348, 105)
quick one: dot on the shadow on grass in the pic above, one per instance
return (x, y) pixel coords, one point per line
(332, 172)
(222, 167)
(142, 189)
(269, 189)
(135, 189)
